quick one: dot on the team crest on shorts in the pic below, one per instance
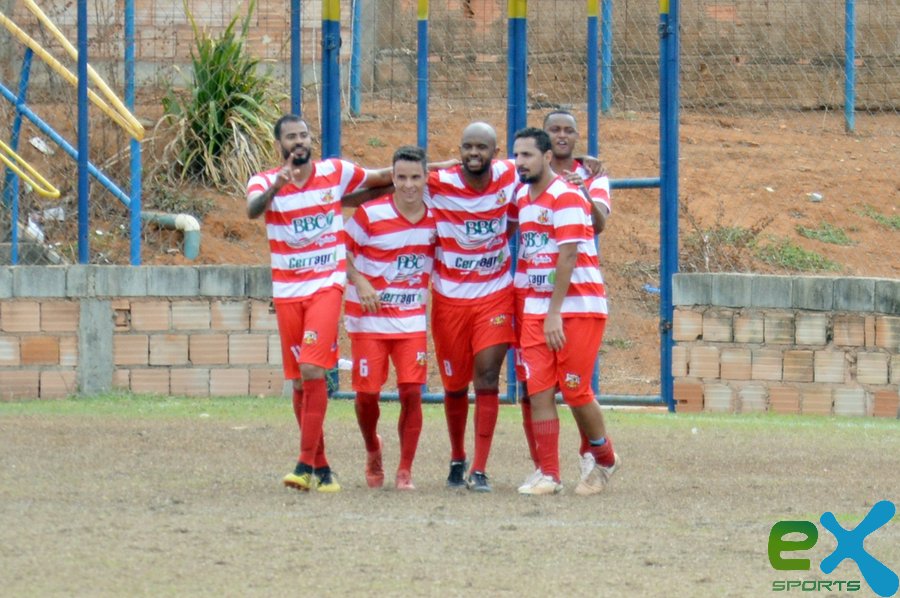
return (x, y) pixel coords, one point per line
(544, 217)
(448, 370)
(310, 337)
(327, 197)
(572, 380)
(498, 320)
(420, 357)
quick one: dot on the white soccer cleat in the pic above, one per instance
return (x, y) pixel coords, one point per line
(541, 486)
(594, 477)
(532, 479)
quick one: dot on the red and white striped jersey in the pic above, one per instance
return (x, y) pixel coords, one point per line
(472, 257)
(397, 257)
(598, 187)
(558, 216)
(305, 228)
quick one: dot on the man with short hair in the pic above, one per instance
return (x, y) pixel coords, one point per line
(302, 203)
(390, 253)
(563, 315)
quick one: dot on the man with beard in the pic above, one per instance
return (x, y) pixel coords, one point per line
(472, 303)
(563, 315)
(302, 202)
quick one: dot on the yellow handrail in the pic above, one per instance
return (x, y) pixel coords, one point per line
(29, 175)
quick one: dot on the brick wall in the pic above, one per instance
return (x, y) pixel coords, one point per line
(181, 331)
(805, 345)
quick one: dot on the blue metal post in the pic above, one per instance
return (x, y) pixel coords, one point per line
(331, 78)
(422, 76)
(11, 197)
(850, 65)
(84, 182)
(593, 51)
(355, 40)
(669, 107)
(134, 144)
(517, 78)
(296, 60)
(606, 45)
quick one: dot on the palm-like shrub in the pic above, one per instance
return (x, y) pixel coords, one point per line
(222, 126)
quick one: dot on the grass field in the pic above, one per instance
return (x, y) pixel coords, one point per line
(138, 496)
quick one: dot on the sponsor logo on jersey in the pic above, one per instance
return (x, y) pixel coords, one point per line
(482, 228)
(535, 239)
(541, 259)
(320, 262)
(313, 223)
(326, 240)
(310, 337)
(409, 264)
(420, 357)
(498, 320)
(542, 280)
(486, 263)
(572, 380)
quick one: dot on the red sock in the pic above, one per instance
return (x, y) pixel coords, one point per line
(487, 404)
(456, 410)
(298, 411)
(315, 403)
(604, 454)
(528, 426)
(585, 443)
(546, 433)
(367, 414)
(409, 426)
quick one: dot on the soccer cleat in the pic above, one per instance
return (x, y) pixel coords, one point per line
(478, 482)
(326, 481)
(594, 477)
(404, 480)
(301, 478)
(456, 479)
(374, 468)
(532, 479)
(542, 486)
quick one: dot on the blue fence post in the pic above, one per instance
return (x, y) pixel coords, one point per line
(296, 59)
(331, 78)
(669, 107)
(517, 74)
(84, 182)
(850, 65)
(606, 45)
(11, 197)
(355, 40)
(593, 61)
(422, 76)
(134, 144)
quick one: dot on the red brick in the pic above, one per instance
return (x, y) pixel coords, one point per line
(150, 315)
(190, 315)
(679, 360)
(9, 351)
(703, 362)
(753, 399)
(870, 332)
(276, 357)
(68, 351)
(229, 382)
(717, 326)
(736, 364)
(230, 315)
(40, 350)
(887, 403)
(749, 328)
(688, 396)
(267, 382)
(784, 399)
(849, 331)
(150, 381)
(830, 366)
(168, 349)
(122, 379)
(248, 349)
(887, 333)
(817, 400)
(190, 382)
(131, 349)
(687, 325)
(262, 316)
(812, 329)
(798, 366)
(779, 328)
(19, 384)
(718, 398)
(208, 349)
(895, 369)
(850, 402)
(58, 384)
(872, 368)
(59, 316)
(121, 315)
(20, 316)
(766, 364)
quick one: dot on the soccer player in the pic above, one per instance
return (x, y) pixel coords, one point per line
(302, 202)
(472, 302)
(564, 315)
(390, 253)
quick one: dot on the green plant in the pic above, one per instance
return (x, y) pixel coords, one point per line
(786, 254)
(223, 124)
(166, 199)
(892, 222)
(376, 142)
(827, 233)
(721, 247)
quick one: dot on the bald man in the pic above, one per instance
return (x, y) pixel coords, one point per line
(473, 304)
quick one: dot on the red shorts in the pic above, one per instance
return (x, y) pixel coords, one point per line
(370, 361)
(461, 331)
(309, 331)
(520, 309)
(572, 366)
